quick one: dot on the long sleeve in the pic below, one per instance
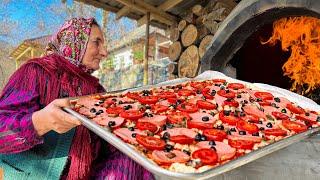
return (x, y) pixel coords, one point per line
(17, 103)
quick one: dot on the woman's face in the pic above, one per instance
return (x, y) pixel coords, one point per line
(95, 49)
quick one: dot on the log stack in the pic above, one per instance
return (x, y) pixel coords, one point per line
(193, 34)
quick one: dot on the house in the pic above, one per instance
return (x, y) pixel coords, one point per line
(30, 48)
(129, 49)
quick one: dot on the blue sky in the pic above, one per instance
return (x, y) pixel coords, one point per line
(28, 14)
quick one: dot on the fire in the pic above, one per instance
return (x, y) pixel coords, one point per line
(301, 36)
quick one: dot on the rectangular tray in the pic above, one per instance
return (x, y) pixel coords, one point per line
(106, 134)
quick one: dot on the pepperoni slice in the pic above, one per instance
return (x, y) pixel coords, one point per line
(207, 156)
(263, 95)
(295, 109)
(241, 144)
(187, 107)
(131, 114)
(253, 110)
(185, 92)
(150, 142)
(126, 135)
(280, 115)
(158, 120)
(275, 132)
(226, 93)
(146, 126)
(235, 86)
(167, 158)
(178, 117)
(230, 119)
(224, 151)
(255, 139)
(201, 121)
(182, 139)
(180, 131)
(294, 126)
(148, 99)
(246, 126)
(206, 105)
(215, 134)
(105, 120)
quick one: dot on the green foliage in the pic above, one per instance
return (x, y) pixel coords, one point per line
(138, 55)
(108, 63)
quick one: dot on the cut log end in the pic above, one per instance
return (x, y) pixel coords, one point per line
(174, 34)
(197, 10)
(189, 62)
(182, 24)
(189, 35)
(206, 41)
(174, 51)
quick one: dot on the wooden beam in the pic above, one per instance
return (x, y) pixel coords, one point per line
(143, 7)
(164, 6)
(122, 12)
(98, 4)
(23, 53)
(146, 53)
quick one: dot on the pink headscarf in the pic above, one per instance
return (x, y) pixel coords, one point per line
(71, 41)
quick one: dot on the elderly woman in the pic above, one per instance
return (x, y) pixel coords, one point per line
(37, 138)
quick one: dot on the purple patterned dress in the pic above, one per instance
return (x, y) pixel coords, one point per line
(35, 85)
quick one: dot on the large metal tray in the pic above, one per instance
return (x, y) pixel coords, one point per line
(107, 135)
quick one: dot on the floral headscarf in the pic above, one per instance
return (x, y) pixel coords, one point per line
(71, 41)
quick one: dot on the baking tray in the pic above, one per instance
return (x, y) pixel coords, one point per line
(106, 134)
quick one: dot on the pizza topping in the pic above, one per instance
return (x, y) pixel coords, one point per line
(207, 156)
(150, 142)
(223, 150)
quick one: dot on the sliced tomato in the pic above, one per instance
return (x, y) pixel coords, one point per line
(146, 126)
(174, 100)
(109, 102)
(133, 95)
(280, 115)
(295, 109)
(185, 92)
(148, 99)
(206, 105)
(275, 132)
(158, 108)
(231, 119)
(232, 103)
(215, 134)
(187, 107)
(226, 93)
(206, 93)
(150, 142)
(166, 95)
(246, 126)
(241, 144)
(178, 117)
(251, 118)
(198, 85)
(207, 156)
(312, 119)
(235, 86)
(218, 81)
(264, 103)
(131, 114)
(294, 126)
(263, 95)
(114, 110)
(181, 139)
(199, 125)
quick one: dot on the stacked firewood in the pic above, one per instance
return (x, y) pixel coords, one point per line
(193, 34)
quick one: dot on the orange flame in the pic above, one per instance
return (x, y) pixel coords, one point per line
(301, 36)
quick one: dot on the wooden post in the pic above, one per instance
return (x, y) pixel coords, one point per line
(146, 52)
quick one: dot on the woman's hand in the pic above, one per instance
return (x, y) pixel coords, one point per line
(52, 117)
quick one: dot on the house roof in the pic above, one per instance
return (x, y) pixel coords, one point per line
(163, 13)
(38, 42)
(133, 36)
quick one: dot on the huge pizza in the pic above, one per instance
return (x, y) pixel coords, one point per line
(197, 125)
